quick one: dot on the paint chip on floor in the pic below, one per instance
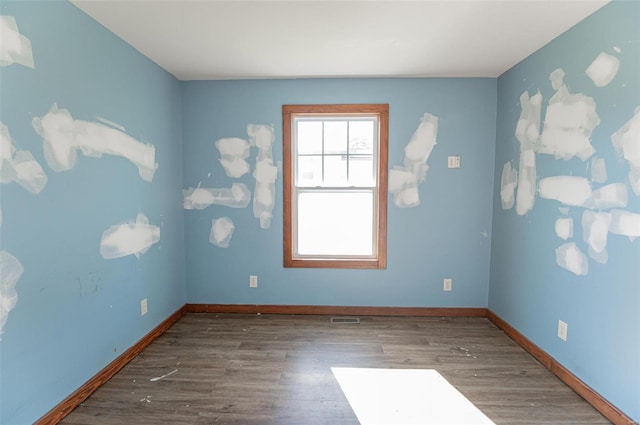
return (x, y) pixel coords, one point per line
(158, 378)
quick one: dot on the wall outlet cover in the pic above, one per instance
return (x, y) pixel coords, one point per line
(563, 328)
(447, 285)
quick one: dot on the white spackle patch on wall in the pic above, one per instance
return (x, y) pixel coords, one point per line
(528, 134)
(404, 180)
(564, 228)
(237, 196)
(404, 185)
(14, 47)
(112, 124)
(598, 170)
(557, 78)
(125, 239)
(603, 69)
(568, 124)
(634, 179)
(221, 232)
(526, 193)
(570, 257)
(625, 223)
(10, 272)
(19, 166)
(234, 152)
(265, 173)
(610, 196)
(508, 185)
(570, 190)
(626, 142)
(595, 229)
(62, 136)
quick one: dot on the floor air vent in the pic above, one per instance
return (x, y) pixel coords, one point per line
(345, 320)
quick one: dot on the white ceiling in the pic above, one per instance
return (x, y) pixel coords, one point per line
(239, 39)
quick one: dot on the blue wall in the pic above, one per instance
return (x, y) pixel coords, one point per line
(527, 288)
(77, 311)
(448, 235)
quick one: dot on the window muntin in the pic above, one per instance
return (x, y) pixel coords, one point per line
(334, 152)
(335, 185)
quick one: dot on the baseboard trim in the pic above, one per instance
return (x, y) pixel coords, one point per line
(337, 310)
(67, 405)
(601, 404)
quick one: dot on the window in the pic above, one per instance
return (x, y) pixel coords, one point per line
(335, 185)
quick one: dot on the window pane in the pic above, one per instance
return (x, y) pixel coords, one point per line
(361, 171)
(335, 137)
(309, 137)
(361, 137)
(309, 171)
(335, 170)
(335, 223)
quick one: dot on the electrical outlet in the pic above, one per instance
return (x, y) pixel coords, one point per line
(253, 281)
(447, 285)
(563, 328)
(453, 161)
(143, 307)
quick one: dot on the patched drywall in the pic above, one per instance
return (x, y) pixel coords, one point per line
(15, 47)
(73, 224)
(10, 271)
(234, 153)
(404, 180)
(62, 136)
(131, 238)
(265, 173)
(432, 210)
(576, 251)
(569, 122)
(19, 165)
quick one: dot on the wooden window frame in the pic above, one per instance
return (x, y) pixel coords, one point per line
(289, 112)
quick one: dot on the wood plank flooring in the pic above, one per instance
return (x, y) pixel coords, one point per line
(276, 369)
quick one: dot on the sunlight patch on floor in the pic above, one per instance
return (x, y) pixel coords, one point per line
(406, 396)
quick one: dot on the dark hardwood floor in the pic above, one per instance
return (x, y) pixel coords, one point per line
(276, 369)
